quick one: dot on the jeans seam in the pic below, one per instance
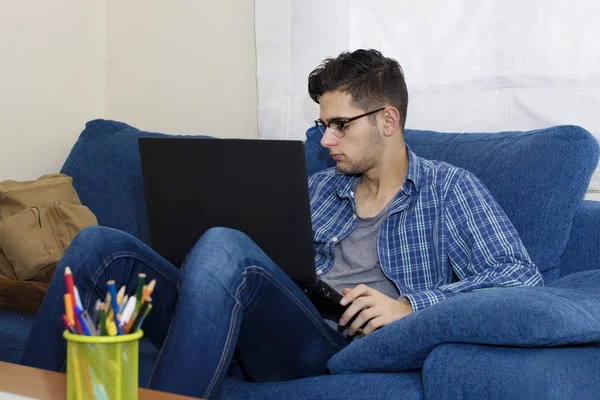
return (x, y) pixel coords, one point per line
(227, 347)
(285, 290)
(115, 256)
(162, 347)
(104, 264)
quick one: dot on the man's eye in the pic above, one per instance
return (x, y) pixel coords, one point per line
(337, 126)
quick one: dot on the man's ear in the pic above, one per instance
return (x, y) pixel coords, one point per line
(391, 120)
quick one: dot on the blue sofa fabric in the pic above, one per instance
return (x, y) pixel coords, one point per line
(566, 312)
(105, 166)
(583, 248)
(468, 371)
(405, 386)
(539, 194)
(538, 177)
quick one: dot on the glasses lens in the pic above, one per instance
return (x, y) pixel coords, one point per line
(337, 128)
(320, 126)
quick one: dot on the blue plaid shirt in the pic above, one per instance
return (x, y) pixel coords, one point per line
(443, 224)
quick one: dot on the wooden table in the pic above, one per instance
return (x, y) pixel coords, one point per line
(42, 384)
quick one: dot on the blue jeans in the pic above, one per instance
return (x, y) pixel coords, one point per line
(228, 296)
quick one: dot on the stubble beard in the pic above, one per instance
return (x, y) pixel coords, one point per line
(369, 157)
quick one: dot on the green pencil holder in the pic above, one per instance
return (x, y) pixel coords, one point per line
(102, 367)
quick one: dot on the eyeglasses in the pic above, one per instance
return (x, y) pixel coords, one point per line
(337, 125)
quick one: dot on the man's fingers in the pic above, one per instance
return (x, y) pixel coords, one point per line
(363, 317)
(350, 296)
(374, 324)
(356, 306)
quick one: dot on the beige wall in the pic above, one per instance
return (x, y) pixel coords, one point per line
(186, 66)
(176, 67)
(51, 81)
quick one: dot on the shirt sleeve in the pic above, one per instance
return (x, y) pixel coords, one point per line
(484, 248)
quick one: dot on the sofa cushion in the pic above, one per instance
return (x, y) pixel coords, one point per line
(105, 166)
(557, 373)
(566, 312)
(14, 331)
(538, 177)
(406, 386)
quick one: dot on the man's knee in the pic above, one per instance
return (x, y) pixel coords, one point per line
(223, 246)
(99, 240)
(225, 236)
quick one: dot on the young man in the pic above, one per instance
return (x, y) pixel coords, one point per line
(393, 232)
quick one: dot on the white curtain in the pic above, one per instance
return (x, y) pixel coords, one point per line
(470, 65)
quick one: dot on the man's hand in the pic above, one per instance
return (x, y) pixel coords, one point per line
(371, 307)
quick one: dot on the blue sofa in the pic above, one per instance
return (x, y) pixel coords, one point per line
(512, 343)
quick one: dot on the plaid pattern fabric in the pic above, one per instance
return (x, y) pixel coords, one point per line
(444, 234)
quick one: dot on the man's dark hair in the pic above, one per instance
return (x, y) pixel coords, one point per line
(371, 79)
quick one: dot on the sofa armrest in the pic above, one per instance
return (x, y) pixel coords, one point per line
(583, 248)
(466, 371)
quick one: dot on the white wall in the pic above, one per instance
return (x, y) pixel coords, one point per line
(176, 67)
(185, 66)
(51, 81)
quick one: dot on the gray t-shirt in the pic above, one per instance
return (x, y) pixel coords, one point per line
(357, 261)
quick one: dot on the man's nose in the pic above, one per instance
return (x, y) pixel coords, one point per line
(329, 139)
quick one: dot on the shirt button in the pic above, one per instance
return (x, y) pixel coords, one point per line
(335, 239)
(352, 194)
(353, 216)
(319, 271)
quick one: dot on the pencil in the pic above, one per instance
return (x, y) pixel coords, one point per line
(102, 313)
(148, 290)
(139, 316)
(120, 294)
(70, 285)
(140, 291)
(71, 290)
(68, 324)
(69, 308)
(139, 326)
(115, 305)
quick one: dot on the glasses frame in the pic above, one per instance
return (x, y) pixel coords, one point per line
(340, 123)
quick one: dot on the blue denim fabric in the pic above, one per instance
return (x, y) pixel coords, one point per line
(229, 296)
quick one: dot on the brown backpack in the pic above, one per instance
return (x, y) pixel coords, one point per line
(38, 221)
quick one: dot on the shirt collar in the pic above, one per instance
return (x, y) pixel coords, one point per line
(346, 187)
(414, 172)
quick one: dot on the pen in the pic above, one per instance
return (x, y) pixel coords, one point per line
(82, 323)
(85, 316)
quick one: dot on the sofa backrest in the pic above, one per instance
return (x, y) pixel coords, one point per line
(105, 166)
(538, 177)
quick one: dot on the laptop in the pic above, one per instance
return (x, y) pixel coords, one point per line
(258, 187)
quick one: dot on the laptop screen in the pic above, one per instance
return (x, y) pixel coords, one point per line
(258, 187)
